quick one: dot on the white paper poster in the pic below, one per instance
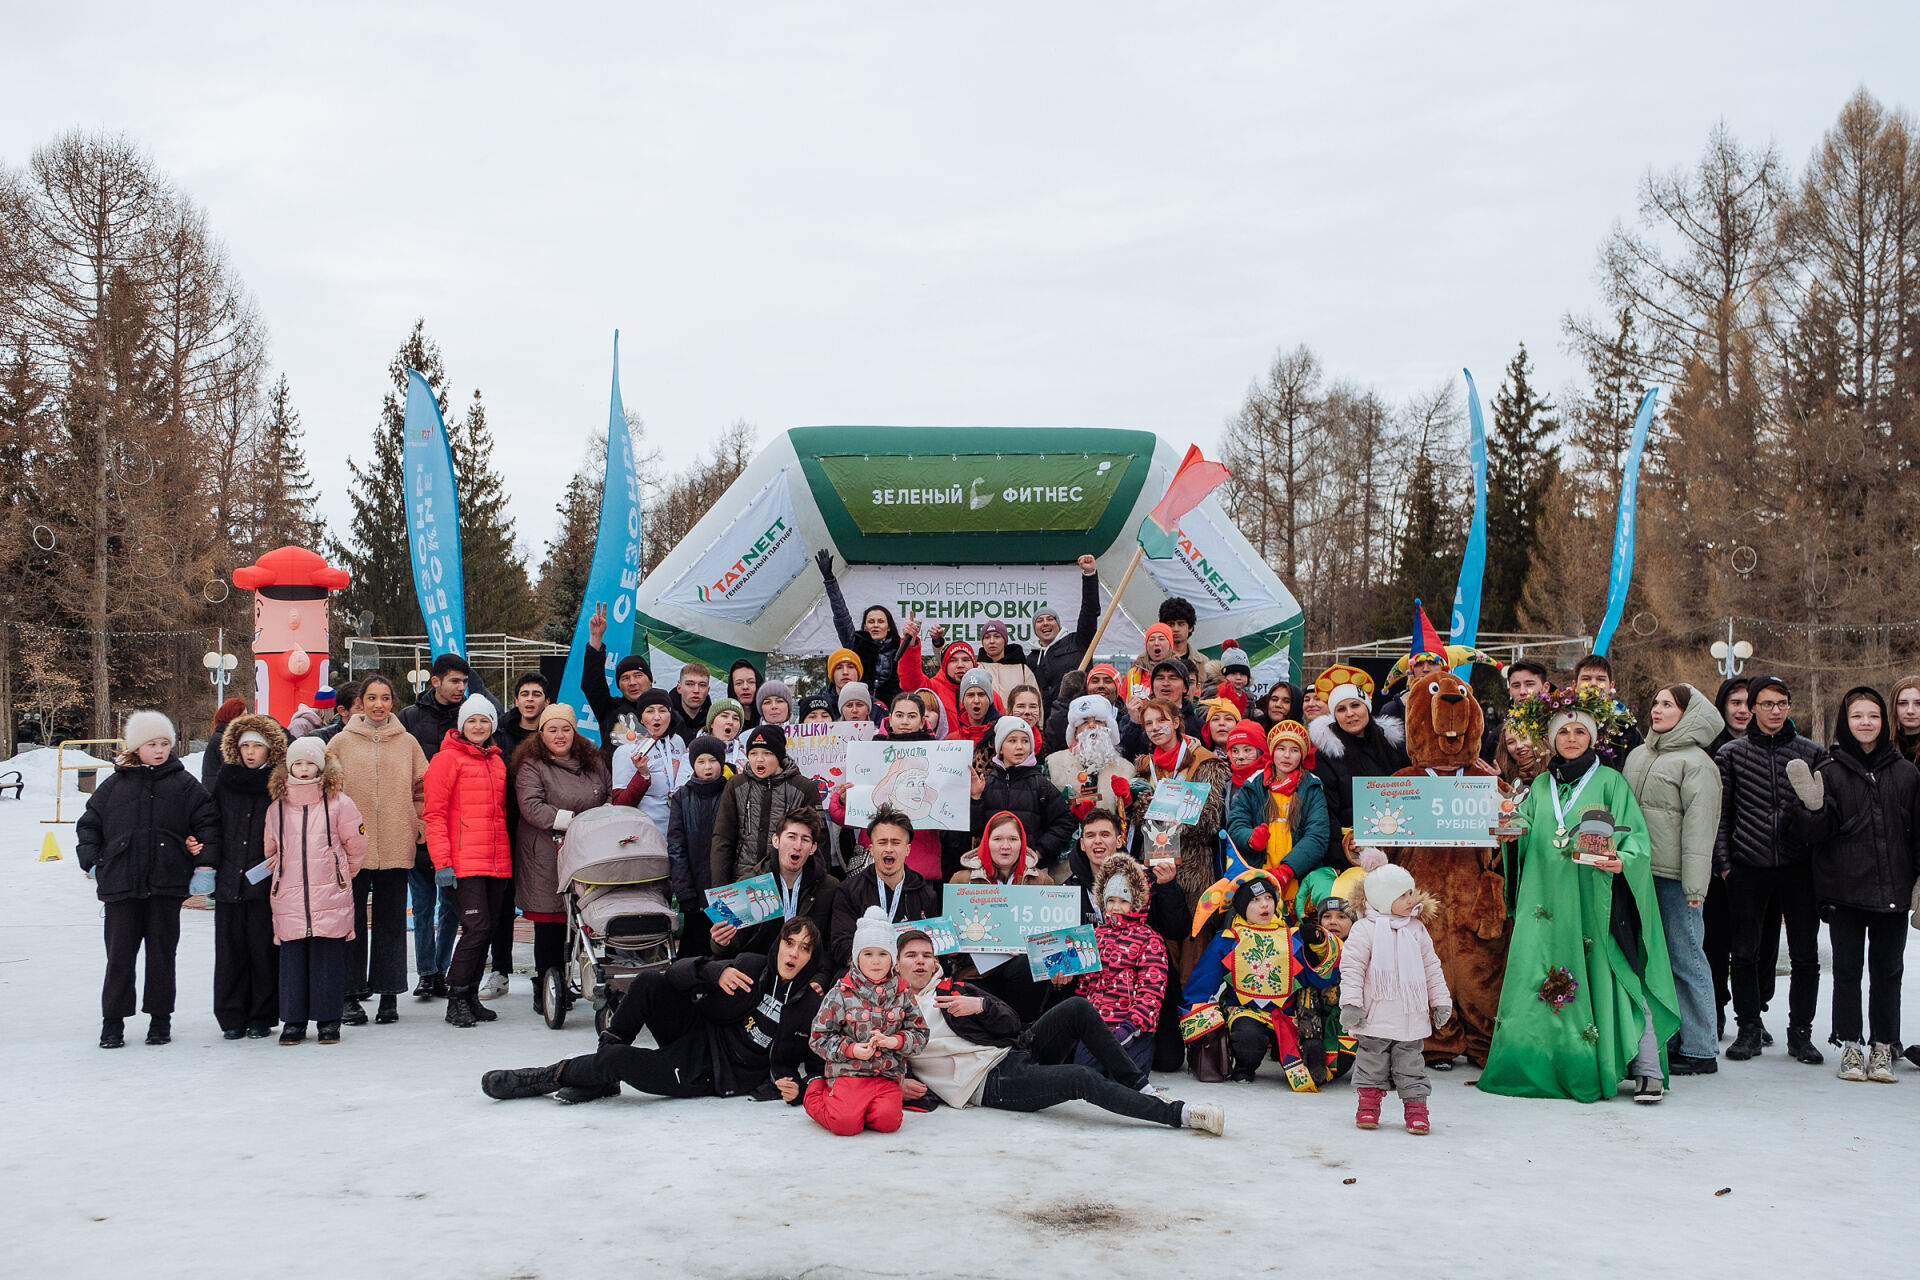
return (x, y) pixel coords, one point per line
(961, 598)
(819, 751)
(927, 781)
(738, 576)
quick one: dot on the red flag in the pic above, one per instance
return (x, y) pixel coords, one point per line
(1195, 479)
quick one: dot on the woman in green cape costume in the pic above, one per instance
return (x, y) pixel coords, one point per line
(1588, 999)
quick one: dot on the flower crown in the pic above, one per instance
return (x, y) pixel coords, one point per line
(1532, 715)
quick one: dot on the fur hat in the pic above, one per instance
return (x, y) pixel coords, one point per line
(476, 705)
(247, 727)
(772, 689)
(1091, 707)
(311, 750)
(1233, 658)
(1384, 885)
(977, 678)
(874, 932)
(1007, 725)
(1130, 875)
(855, 691)
(725, 704)
(839, 656)
(147, 726)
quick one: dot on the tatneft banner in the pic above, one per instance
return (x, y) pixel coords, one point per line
(747, 566)
(975, 493)
(960, 599)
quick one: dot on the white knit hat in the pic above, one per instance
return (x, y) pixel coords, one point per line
(874, 932)
(147, 726)
(1342, 692)
(1384, 885)
(1573, 715)
(475, 705)
(312, 750)
(1007, 725)
(1091, 707)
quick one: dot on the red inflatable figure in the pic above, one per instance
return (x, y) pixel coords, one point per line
(290, 587)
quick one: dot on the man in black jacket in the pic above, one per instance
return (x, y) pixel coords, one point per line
(977, 1054)
(724, 1027)
(889, 884)
(1759, 858)
(632, 674)
(1054, 653)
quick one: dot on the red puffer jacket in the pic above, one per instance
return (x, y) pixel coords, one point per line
(466, 816)
(1133, 972)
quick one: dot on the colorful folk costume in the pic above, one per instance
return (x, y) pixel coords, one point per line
(1588, 999)
(1250, 979)
(1444, 725)
(1317, 1018)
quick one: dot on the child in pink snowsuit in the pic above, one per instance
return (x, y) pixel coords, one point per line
(314, 844)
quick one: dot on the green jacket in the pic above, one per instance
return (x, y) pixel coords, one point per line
(1310, 824)
(1678, 787)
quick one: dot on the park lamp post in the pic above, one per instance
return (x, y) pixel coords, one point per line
(1730, 655)
(220, 666)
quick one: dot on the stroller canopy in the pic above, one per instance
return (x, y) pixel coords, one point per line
(613, 844)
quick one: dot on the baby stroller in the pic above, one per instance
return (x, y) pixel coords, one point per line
(620, 918)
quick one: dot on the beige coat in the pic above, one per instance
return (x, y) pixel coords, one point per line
(384, 774)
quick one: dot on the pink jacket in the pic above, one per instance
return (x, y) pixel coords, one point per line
(1392, 1011)
(315, 843)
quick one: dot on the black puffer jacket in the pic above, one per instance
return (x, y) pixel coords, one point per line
(133, 836)
(1863, 835)
(1064, 654)
(1378, 752)
(1028, 794)
(240, 795)
(1755, 794)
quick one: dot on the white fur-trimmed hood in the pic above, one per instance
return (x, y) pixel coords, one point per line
(1327, 739)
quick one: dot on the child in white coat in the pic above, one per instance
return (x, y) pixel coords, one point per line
(1392, 995)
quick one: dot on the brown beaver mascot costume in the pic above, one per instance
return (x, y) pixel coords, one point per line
(1444, 724)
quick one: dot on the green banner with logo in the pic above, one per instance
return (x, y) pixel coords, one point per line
(975, 493)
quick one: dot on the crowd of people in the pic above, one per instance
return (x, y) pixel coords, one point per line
(1638, 883)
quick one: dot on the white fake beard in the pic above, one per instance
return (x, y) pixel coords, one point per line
(1094, 750)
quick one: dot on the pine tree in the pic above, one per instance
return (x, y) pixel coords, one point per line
(376, 553)
(569, 558)
(284, 495)
(498, 595)
(1522, 460)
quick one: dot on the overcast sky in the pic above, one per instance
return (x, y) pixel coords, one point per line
(1082, 214)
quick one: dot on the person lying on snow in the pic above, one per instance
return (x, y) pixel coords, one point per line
(724, 1027)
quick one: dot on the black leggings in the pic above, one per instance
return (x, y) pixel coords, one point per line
(1042, 1075)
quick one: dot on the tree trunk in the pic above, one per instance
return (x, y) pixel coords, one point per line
(97, 604)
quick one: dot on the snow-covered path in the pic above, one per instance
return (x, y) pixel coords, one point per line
(381, 1157)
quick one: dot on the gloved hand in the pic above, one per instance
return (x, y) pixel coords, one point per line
(824, 559)
(1808, 785)
(1442, 1014)
(1309, 930)
(1259, 838)
(202, 883)
(443, 876)
(562, 819)
(1352, 1018)
(1125, 1033)
(1284, 874)
(1121, 788)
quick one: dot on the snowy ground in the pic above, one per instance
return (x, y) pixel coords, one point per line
(380, 1156)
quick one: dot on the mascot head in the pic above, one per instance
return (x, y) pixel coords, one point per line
(1444, 722)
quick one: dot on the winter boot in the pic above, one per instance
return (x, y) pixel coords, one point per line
(160, 1029)
(1800, 1046)
(1746, 1044)
(527, 1082)
(587, 1092)
(459, 1014)
(389, 1010)
(1880, 1065)
(1416, 1113)
(352, 1014)
(293, 1033)
(330, 1032)
(423, 989)
(480, 1012)
(259, 1031)
(437, 986)
(1853, 1062)
(113, 1033)
(1367, 1116)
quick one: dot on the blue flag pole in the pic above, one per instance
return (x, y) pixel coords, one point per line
(614, 578)
(1473, 563)
(433, 519)
(1621, 576)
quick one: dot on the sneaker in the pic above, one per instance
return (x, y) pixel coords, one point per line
(1880, 1065)
(1155, 1092)
(493, 986)
(1208, 1117)
(293, 1033)
(1648, 1089)
(113, 1033)
(1853, 1063)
